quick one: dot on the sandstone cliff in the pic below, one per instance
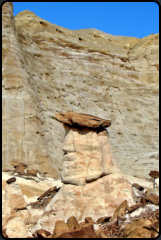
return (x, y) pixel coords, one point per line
(48, 69)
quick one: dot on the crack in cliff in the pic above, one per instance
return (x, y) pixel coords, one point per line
(89, 159)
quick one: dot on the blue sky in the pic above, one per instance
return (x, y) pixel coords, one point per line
(133, 19)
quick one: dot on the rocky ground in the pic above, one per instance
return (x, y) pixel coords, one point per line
(22, 209)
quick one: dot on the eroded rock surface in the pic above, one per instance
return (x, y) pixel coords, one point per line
(82, 120)
(47, 69)
(22, 223)
(88, 156)
(93, 184)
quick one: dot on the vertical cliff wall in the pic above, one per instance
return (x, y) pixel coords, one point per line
(48, 69)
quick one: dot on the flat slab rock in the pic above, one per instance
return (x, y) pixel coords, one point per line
(82, 120)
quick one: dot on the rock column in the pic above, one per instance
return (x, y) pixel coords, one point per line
(93, 184)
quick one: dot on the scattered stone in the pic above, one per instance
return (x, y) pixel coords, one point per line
(89, 220)
(32, 172)
(139, 232)
(103, 233)
(134, 207)
(49, 192)
(19, 169)
(14, 200)
(72, 223)
(41, 233)
(137, 186)
(103, 220)
(153, 198)
(10, 180)
(120, 211)
(86, 231)
(16, 228)
(143, 200)
(60, 227)
(16, 164)
(141, 223)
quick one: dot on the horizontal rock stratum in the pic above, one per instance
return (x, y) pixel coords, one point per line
(82, 120)
(48, 69)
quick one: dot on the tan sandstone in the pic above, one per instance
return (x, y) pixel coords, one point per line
(47, 69)
(93, 184)
(16, 228)
(88, 156)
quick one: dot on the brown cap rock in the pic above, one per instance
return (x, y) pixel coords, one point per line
(154, 174)
(82, 120)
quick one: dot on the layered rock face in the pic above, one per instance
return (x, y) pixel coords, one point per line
(93, 184)
(47, 69)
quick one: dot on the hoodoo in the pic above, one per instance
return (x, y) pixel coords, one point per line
(93, 184)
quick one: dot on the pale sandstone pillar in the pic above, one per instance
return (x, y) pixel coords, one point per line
(93, 184)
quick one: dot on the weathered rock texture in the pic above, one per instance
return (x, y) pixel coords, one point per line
(82, 120)
(93, 184)
(47, 69)
(88, 156)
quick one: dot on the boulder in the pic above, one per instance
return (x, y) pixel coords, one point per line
(139, 232)
(83, 232)
(153, 198)
(16, 164)
(103, 220)
(34, 187)
(50, 191)
(41, 233)
(32, 172)
(121, 210)
(14, 200)
(134, 207)
(137, 223)
(143, 201)
(10, 180)
(60, 227)
(19, 169)
(138, 186)
(89, 220)
(72, 223)
(16, 228)
(14, 197)
(96, 199)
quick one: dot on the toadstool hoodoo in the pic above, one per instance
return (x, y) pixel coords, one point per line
(93, 184)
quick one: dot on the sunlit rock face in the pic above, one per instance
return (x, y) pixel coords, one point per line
(87, 157)
(47, 69)
(93, 185)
